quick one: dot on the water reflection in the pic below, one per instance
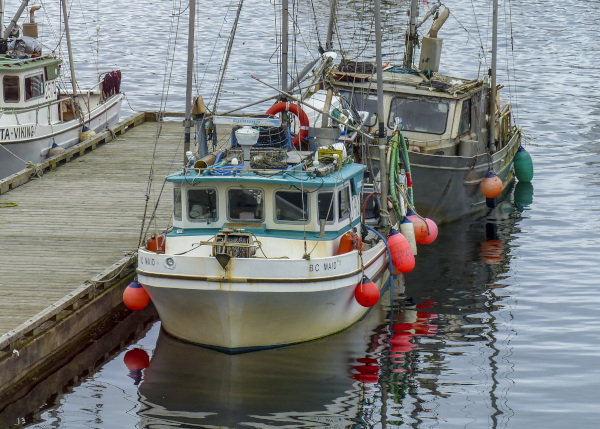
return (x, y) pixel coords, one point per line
(392, 368)
(306, 385)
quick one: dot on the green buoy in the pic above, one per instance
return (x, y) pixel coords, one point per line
(523, 165)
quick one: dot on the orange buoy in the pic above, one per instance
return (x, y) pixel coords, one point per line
(419, 225)
(402, 255)
(431, 233)
(156, 242)
(135, 296)
(349, 242)
(491, 185)
(366, 292)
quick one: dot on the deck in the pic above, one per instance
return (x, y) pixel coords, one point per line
(70, 234)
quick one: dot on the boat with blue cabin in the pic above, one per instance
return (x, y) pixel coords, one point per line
(275, 240)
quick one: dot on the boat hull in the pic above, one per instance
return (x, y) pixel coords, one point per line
(446, 188)
(30, 142)
(241, 311)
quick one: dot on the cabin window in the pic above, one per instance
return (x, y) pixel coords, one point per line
(11, 89)
(465, 118)
(325, 203)
(246, 204)
(34, 86)
(177, 202)
(291, 206)
(419, 114)
(344, 203)
(202, 205)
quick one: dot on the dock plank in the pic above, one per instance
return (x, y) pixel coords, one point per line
(72, 223)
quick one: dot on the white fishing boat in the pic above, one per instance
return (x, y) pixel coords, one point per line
(269, 245)
(39, 116)
(452, 140)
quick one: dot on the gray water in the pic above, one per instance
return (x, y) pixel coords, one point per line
(505, 307)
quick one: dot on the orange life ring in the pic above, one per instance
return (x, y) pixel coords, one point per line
(286, 106)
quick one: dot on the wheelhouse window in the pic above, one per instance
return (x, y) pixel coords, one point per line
(10, 85)
(326, 209)
(419, 114)
(343, 203)
(465, 118)
(177, 203)
(202, 205)
(246, 204)
(34, 86)
(291, 206)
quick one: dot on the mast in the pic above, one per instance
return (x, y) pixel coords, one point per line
(492, 126)
(330, 27)
(70, 51)
(411, 35)
(381, 138)
(1, 15)
(187, 123)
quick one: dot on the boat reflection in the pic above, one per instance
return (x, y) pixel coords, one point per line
(305, 385)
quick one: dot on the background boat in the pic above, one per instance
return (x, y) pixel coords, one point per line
(44, 112)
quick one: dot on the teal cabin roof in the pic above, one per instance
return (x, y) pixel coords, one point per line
(293, 176)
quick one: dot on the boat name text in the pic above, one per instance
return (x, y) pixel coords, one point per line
(326, 266)
(17, 133)
(145, 260)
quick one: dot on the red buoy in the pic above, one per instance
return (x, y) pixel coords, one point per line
(402, 255)
(431, 232)
(366, 292)
(135, 296)
(491, 185)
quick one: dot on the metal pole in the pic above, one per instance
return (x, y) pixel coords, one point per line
(1, 15)
(284, 44)
(492, 126)
(13, 21)
(187, 123)
(382, 140)
(71, 65)
(411, 35)
(329, 40)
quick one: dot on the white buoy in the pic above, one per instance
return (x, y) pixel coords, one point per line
(408, 230)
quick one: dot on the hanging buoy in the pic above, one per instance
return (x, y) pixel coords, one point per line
(419, 225)
(156, 242)
(135, 296)
(55, 150)
(402, 255)
(491, 185)
(86, 133)
(432, 232)
(523, 165)
(349, 242)
(408, 230)
(366, 292)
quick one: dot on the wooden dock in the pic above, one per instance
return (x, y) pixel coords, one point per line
(70, 235)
